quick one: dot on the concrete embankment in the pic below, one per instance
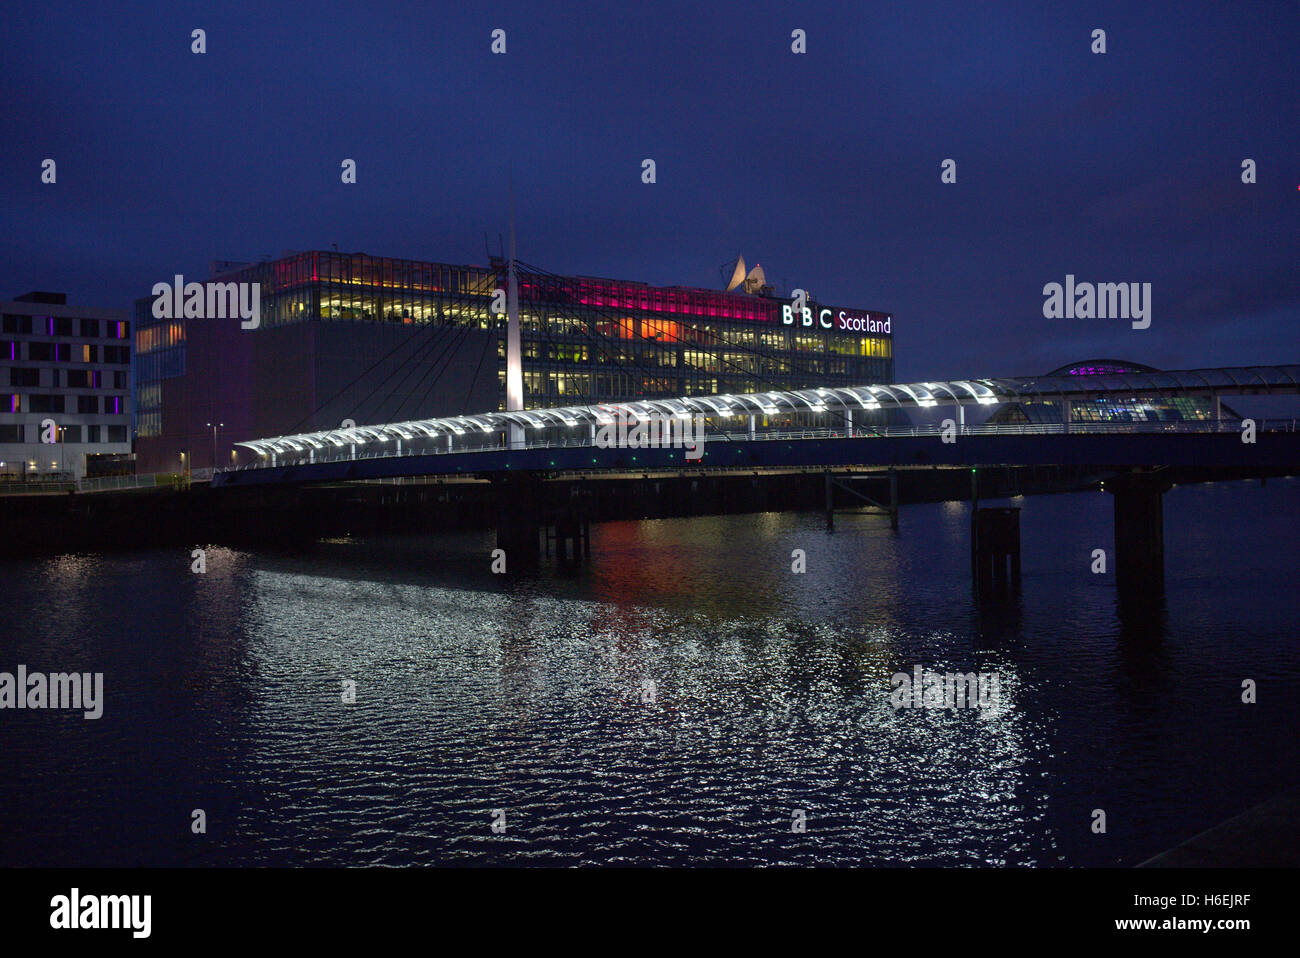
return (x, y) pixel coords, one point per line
(1266, 836)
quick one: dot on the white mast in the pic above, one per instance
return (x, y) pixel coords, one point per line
(514, 362)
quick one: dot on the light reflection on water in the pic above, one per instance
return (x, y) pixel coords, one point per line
(770, 693)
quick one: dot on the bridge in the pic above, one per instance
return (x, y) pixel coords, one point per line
(1133, 425)
(814, 427)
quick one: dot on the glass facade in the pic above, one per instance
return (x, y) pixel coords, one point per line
(583, 339)
(1143, 405)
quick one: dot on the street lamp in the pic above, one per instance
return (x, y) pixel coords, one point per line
(214, 427)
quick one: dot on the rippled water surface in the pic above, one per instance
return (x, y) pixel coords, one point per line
(675, 701)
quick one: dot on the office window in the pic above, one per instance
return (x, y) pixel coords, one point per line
(40, 352)
(14, 323)
(114, 405)
(11, 432)
(92, 433)
(115, 433)
(119, 379)
(89, 328)
(57, 326)
(89, 353)
(69, 434)
(24, 377)
(87, 404)
(44, 402)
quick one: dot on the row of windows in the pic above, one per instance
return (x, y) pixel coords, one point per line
(64, 326)
(581, 348)
(165, 334)
(332, 302)
(163, 364)
(544, 388)
(57, 402)
(1173, 408)
(358, 269)
(148, 425)
(24, 432)
(70, 378)
(17, 351)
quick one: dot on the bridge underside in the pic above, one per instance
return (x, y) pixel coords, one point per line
(1271, 451)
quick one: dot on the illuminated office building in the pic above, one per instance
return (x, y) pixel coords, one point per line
(355, 337)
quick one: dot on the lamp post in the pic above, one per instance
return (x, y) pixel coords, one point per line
(214, 427)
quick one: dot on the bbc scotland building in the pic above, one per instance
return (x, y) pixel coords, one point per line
(372, 339)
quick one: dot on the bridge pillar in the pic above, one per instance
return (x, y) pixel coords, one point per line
(893, 499)
(573, 526)
(830, 503)
(751, 425)
(1139, 531)
(519, 521)
(995, 549)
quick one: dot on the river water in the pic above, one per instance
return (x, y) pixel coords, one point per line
(685, 698)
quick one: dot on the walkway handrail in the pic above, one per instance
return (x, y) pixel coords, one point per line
(436, 447)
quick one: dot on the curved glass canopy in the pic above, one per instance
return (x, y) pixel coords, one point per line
(370, 440)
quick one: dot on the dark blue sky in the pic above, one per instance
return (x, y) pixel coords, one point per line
(823, 167)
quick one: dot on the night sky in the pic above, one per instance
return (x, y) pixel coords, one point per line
(824, 167)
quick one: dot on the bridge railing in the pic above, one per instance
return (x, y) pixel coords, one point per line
(438, 447)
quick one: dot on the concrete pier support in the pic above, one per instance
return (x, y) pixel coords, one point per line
(519, 524)
(1139, 531)
(995, 549)
(568, 526)
(830, 503)
(893, 499)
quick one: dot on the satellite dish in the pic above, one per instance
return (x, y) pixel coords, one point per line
(738, 275)
(756, 279)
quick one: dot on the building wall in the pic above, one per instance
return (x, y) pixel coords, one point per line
(308, 376)
(586, 339)
(69, 364)
(438, 348)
